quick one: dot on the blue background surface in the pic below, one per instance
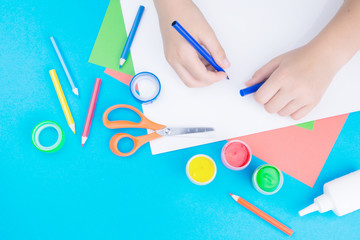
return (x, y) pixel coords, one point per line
(89, 193)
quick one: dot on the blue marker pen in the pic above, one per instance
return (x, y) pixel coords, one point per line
(197, 46)
(249, 90)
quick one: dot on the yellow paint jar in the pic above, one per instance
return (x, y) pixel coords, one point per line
(201, 169)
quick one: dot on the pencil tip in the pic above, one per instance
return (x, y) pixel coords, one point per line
(122, 61)
(234, 197)
(72, 127)
(76, 91)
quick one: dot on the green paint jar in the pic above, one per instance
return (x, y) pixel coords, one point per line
(267, 179)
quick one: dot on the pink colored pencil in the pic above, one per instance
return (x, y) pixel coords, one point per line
(91, 110)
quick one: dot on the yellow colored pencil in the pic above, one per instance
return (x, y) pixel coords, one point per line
(62, 99)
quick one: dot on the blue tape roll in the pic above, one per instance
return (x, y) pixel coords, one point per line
(145, 76)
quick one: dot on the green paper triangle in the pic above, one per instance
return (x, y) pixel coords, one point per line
(111, 41)
(307, 125)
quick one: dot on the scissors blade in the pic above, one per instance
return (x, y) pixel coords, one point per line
(169, 131)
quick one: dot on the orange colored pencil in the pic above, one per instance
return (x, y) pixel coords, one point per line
(262, 214)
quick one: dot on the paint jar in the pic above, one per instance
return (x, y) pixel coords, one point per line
(201, 169)
(236, 155)
(267, 179)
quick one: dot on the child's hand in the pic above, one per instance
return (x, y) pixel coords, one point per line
(298, 79)
(192, 68)
(296, 82)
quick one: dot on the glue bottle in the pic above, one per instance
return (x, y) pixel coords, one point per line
(341, 195)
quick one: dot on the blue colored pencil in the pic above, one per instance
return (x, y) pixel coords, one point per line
(197, 46)
(73, 86)
(126, 50)
(249, 90)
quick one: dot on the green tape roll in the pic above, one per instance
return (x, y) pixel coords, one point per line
(39, 128)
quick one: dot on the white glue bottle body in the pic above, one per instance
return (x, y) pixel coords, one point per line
(341, 195)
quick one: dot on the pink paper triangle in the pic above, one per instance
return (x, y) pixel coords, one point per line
(296, 151)
(122, 77)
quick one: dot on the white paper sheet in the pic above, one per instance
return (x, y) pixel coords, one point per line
(252, 32)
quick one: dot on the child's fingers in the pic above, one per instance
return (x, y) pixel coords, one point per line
(265, 72)
(187, 78)
(278, 101)
(267, 90)
(291, 108)
(302, 112)
(216, 50)
(208, 66)
(198, 70)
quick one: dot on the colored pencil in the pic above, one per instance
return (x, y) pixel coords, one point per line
(91, 110)
(249, 90)
(73, 87)
(262, 214)
(126, 50)
(197, 46)
(62, 99)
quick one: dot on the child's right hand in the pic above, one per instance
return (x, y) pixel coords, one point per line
(188, 64)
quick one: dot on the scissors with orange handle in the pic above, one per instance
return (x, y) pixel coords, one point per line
(159, 130)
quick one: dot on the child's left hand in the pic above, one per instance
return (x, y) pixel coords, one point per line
(296, 81)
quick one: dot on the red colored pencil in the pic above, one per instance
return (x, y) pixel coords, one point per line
(91, 110)
(262, 214)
